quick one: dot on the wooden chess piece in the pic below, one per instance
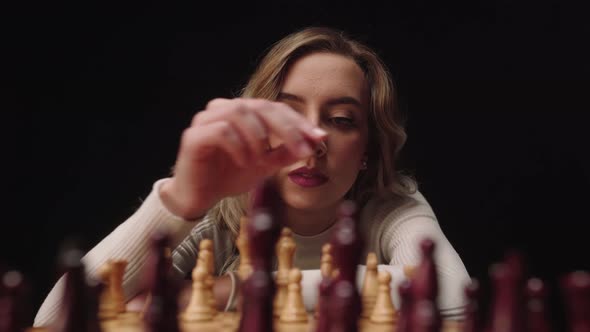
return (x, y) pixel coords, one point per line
(324, 289)
(199, 308)
(383, 310)
(507, 306)
(294, 309)
(370, 286)
(285, 250)
(245, 266)
(207, 261)
(112, 299)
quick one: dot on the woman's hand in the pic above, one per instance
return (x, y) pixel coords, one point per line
(226, 151)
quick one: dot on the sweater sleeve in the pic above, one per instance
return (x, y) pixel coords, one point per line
(129, 241)
(401, 242)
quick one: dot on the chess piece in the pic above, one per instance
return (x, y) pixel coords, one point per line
(206, 260)
(503, 307)
(383, 310)
(326, 261)
(345, 303)
(79, 304)
(285, 249)
(370, 286)
(112, 299)
(537, 315)
(162, 312)
(576, 291)
(13, 296)
(266, 216)
(324, 289)
(294, 310)
(199, 308)
(245, 267)
(425, 316)
(404, 317)
(409, 271)
(472, 316)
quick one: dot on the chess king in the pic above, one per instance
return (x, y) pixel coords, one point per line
(319, 117)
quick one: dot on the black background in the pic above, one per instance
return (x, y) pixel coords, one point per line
(95, 96)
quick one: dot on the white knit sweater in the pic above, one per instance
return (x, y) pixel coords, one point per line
(392, 229)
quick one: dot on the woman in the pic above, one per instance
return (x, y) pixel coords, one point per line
(319, 116)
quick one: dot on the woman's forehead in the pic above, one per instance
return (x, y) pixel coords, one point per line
(326, 75)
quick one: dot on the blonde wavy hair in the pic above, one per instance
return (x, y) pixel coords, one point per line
(386, 132)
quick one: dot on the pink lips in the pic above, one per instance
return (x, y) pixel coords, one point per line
(307, 177)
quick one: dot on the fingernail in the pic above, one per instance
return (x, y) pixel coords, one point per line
(319, 132)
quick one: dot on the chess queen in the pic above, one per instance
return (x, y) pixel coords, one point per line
(319, 116)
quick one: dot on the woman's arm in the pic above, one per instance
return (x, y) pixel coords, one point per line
(130, 242)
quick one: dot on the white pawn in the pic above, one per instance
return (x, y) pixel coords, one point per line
(245, 268)
(112, 299)
(294, 309)
(285, 250)
(370, 286)
(205, 259)
(199, 308)
(384, 311)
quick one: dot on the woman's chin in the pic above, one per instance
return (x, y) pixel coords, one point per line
(306, 202)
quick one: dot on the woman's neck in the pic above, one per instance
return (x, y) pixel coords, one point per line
(309, 223)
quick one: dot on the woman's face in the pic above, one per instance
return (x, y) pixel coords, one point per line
(331, 91)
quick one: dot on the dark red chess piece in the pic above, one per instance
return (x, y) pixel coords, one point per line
(576, 290)
(345, 303)
(162, 312)
(504, 312)
(425, 316)
(536, 312)
(473, 320)
(13, 301)
(78, 312)
(264, 226)
(405, 294)
(325, 290)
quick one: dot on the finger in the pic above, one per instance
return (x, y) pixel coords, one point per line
(219, 135)
(247, 122)
(290, 129)
(278, 157)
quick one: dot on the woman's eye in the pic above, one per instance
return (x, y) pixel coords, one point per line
(342, 121)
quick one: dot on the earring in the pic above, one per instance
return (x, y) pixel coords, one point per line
(364, 165)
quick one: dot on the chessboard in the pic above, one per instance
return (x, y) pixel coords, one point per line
(229, 322)
(273, 301)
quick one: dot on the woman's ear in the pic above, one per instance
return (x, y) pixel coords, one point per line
(364, 163)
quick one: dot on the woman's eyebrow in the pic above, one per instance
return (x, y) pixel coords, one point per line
(346, 100)
(289, 96)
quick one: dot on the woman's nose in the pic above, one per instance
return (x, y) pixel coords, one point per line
(321, 149)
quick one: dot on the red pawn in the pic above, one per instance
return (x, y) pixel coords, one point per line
(537, 314)
(13, 295)
(405, 294)
(425, 316)
(162, 311)
(80, 304)
(264, 227)
(347, 246)
(576, 288)
(472, 315)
